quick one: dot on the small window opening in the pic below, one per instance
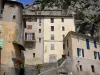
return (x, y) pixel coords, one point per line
(33, 55)
(93, 69)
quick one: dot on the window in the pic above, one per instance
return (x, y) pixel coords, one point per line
(52, 37)
(83, 52)
(52, 28)
(63, 29)
(14, 17)
(29, 26)
(52, 46)
(67, 42)
(81, 68)
(99, 55)
(63, 36)
(39, 13)
(52, 58)
(52, 20)
(80, 52)
(93, 69)
(62, 19)
(29, 36)
(96, 55)
(33, 55)
(0, 28)
(68, 53)
(95, 45)
(34, 19)
(87, 44)
(39, 30)
(39, 20)
(63, 46)
(39, 39)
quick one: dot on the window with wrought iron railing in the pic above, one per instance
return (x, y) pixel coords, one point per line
(29, 36)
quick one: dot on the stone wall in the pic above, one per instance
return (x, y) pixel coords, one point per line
(69, 67)
(4, 70)
(31, 69)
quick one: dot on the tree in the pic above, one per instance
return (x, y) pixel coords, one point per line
(87, 15)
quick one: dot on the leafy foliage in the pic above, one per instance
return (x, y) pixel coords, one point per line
(87, 13)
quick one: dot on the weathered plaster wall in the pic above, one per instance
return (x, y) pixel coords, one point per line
(58, 33)
(35, 47)
(8, 34)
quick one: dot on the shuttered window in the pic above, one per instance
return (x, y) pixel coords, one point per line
(95, 55)
(78, 52)
(99, 55)
(87, 44)
(95, 45)
(83, 52)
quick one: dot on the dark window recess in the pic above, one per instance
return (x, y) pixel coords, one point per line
(33, 55)
(81, 68)
(62, 19)
(52, 28)
(52, 37)
(39, 13)
(37, 8)
(39, 39)
(52, 20)
(39, 20)
(67, 42)
(29, 27)
(68, 53)
(52, 47)
(14, 17)
(87, 44)
(83, 52)
(95, 45)
(39, 30)
(95, 55)
(99, 55)
(92, 68)
(34, 19)
(78, 52)
(63, 29)
(63, 46)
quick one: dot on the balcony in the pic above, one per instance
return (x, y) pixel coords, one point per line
(30, 37)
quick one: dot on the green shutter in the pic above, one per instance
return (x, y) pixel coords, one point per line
(1, 42)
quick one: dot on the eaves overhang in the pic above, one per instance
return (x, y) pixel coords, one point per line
(19, 45)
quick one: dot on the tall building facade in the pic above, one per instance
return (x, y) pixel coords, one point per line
(44, 35)
(12, 39)
(84, 53)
